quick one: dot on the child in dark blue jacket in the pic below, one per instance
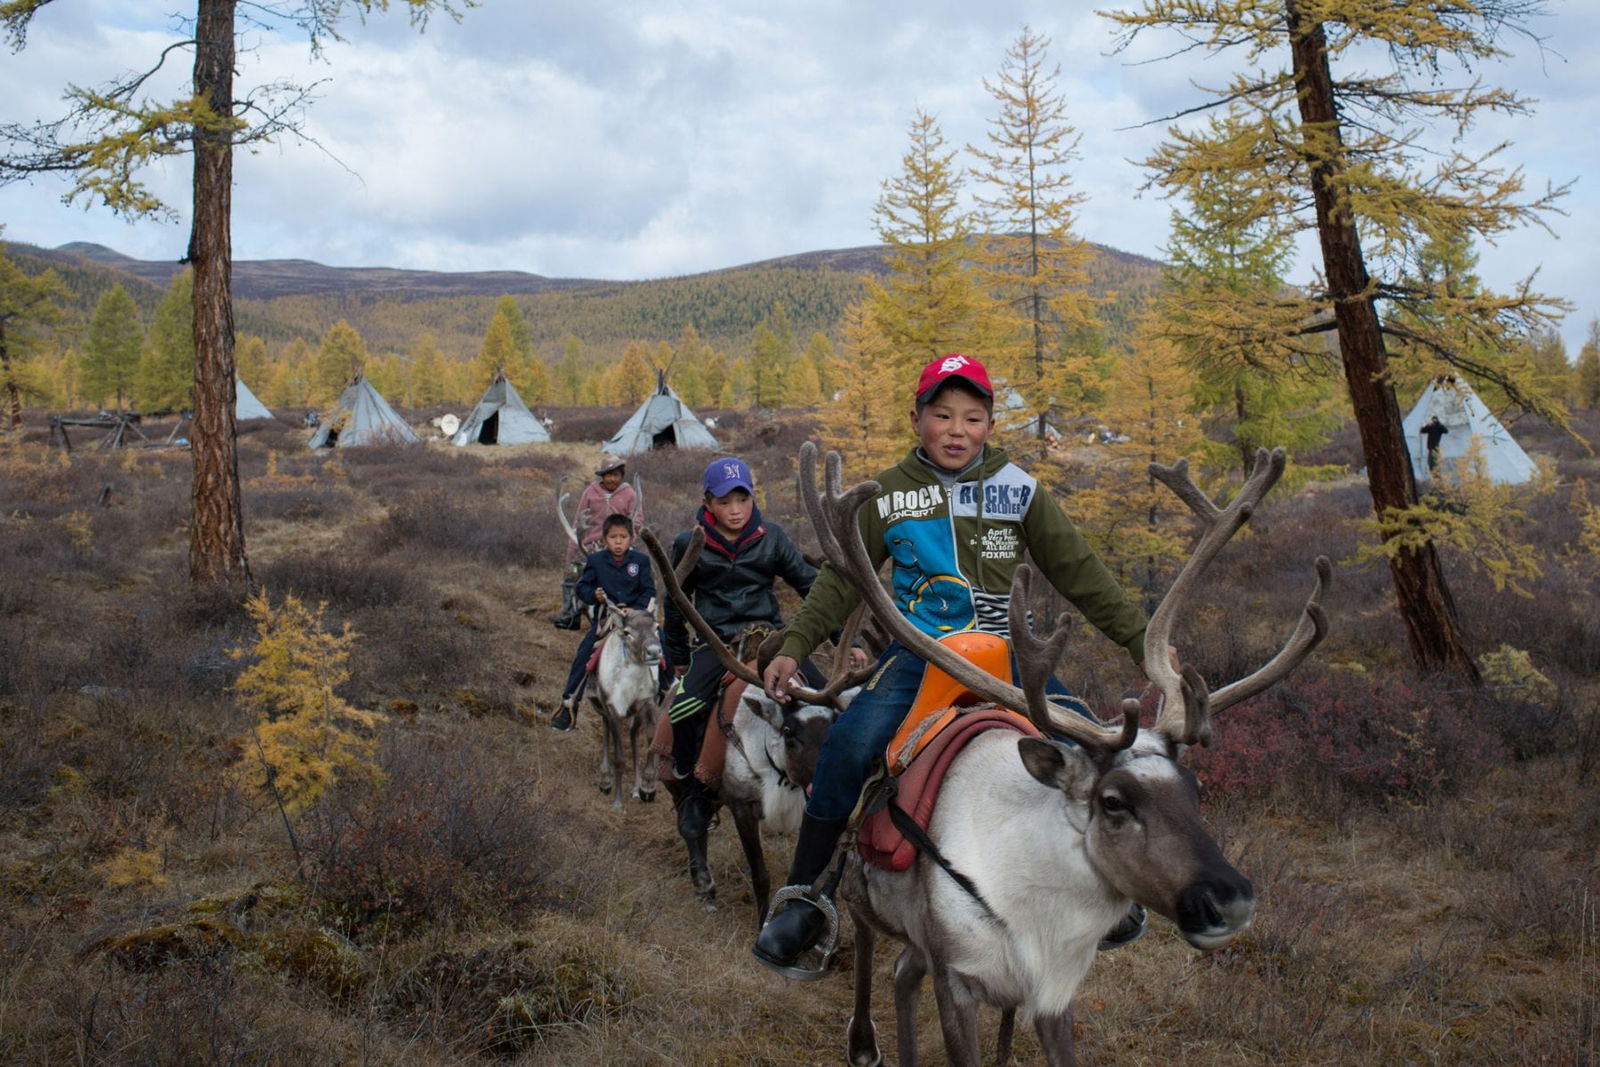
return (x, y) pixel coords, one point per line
(617, 574)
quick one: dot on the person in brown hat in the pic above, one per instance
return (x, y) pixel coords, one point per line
(606, 495)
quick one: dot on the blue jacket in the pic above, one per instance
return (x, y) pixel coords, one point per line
(628, 582)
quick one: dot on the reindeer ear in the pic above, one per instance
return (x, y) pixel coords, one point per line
(765, 708)
(1057, 765)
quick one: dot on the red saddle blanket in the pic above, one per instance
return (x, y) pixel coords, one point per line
(917, 787)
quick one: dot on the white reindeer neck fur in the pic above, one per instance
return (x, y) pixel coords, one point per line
(1034, 871)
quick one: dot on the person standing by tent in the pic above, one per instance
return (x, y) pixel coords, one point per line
(1432, 430)
(604, 496)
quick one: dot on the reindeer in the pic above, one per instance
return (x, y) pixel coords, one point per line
(625, 693)
(1042, 845)
(772, 748)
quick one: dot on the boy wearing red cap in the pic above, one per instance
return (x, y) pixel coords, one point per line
(957, 517)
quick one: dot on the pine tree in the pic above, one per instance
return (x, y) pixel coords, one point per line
(931, 303)
(1226, 307)
(535, 385)
(1134, 523)
(862, 422)
(288, 384)
(166, 366)
(1586, 376)
(28, 303)
(569, 372)
(111, 353)
(632, 378)
(250, 357)
(769, 364)
(498, 353)
(425, 379)
(1344, 154)
(339, 360)
(819, 351)
(1030, 260)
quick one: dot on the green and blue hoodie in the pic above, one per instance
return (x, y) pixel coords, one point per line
(956, 542)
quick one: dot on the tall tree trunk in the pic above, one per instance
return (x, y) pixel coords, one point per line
(13, 394)
(216, 530)
(1426, 608)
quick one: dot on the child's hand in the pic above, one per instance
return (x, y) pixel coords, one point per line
(778, 676)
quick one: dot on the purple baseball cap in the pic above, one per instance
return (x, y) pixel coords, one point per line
(723, 476)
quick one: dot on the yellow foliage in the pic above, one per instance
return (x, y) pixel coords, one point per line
(305, 737)
(135, 868)
(75, 524)
(1511, 667)
(1478, 519)
(1589, 516)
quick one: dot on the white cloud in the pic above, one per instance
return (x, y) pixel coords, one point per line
(594, 138)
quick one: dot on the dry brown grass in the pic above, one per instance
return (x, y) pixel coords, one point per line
(485, 905)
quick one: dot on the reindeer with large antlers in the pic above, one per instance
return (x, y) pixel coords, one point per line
(1043, 840)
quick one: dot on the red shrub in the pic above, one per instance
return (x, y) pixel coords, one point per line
(1351, 735)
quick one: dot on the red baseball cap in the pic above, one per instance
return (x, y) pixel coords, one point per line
(941, 370)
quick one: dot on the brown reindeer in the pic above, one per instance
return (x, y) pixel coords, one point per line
(772, 749)
(1043, 842)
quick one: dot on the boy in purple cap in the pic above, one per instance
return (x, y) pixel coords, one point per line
(957, 518)
(732, 586)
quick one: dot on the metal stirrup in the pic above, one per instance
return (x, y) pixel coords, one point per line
(811, 964)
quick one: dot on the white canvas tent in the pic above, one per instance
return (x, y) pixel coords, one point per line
(662, 421)
(246, 405)
(362, 417)
(501, 418)
(1473, 432)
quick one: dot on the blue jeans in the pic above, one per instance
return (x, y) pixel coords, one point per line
(862, 733)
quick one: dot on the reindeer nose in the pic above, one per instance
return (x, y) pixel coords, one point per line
(1214, 911)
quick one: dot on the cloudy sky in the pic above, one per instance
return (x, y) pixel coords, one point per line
(600, 139)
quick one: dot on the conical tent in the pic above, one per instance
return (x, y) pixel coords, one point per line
(501, 418)
(246, 405)
(1472, 433)
(662, 421)
(362, 417)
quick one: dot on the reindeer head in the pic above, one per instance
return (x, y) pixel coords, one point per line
(795, 731)
(1137, 805)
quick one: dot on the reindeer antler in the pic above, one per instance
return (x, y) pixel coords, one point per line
(833, 513)
(1185, 716)
(561, 513)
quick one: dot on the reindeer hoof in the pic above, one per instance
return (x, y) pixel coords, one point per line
(644, 798)
(605, 787)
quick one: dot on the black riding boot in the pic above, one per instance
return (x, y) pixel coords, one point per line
(800, 925)
(694, 810)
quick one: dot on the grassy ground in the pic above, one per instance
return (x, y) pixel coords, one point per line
(1424, 855)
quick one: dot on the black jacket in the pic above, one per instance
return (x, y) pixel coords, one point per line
(732, 584)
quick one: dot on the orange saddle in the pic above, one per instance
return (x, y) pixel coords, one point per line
(941, 721)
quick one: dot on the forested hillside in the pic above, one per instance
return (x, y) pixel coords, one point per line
(281, 300)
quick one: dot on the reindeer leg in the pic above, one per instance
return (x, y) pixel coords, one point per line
(958, 1017)
(1055, 1038)
(861, 1035)
(747, 820)
(909, 970)
(1002, 1042)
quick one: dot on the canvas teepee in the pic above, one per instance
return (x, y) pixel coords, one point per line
(361, 417)
(662, 421)
(1473, 432)
(246, 405)
(501, 418)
